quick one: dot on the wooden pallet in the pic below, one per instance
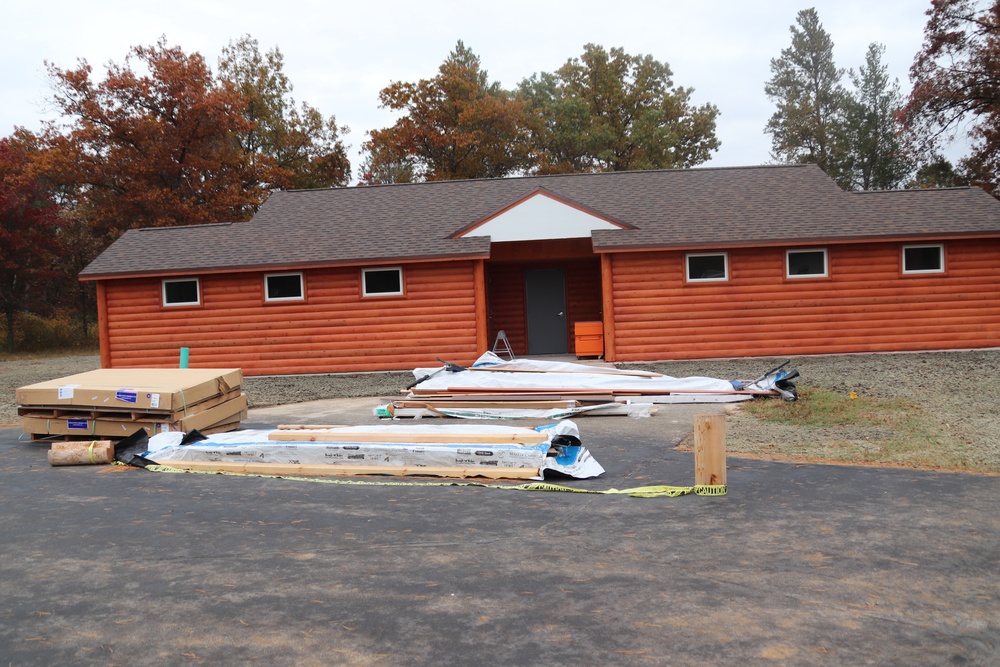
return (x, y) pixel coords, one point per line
(118, 414)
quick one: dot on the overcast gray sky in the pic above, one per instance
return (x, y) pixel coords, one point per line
(339, 55)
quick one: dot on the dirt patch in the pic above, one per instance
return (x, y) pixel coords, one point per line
(954, 393)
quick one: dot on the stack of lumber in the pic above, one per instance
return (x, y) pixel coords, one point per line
(439, 450)
(493, 388)
(115, 403)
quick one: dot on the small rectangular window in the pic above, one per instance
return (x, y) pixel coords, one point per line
(184, 292)
(283, 287)
(805, 264)
(382, 282)
(923, 259)
(707, 267)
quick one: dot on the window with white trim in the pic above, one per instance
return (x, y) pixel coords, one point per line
(707, 267)
(806, 263)
(283, 287)
(923, 258)
(184, 292)
(382, 282)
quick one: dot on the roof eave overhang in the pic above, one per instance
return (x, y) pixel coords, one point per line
(287, 266)
(786, 242)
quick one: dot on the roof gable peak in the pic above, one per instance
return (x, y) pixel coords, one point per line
(540, 215)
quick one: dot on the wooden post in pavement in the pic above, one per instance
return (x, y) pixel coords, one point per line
(710, 450)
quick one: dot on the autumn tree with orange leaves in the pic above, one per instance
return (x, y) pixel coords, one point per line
(956, 85)
(456, 125)
(153, 143)
(30, 246)
(160, 140)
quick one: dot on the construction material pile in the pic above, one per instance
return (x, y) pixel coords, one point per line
(115, 403)
(438, 450)
(496, 389)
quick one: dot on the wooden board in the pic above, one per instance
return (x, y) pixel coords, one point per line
(631, 391)
(321, 470)
(525, 396)
(527, 405)
(430, 411)
(599, 371)
(710, 450)
(527, 437)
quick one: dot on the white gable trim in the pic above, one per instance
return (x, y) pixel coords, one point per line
(538, 217)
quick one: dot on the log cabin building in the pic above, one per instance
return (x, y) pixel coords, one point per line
(653, 265)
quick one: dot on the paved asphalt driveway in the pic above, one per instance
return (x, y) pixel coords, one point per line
(797, 565)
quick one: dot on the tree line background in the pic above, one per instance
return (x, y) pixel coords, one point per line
(162, 139)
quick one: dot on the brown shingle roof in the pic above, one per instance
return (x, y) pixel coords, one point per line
(675, 208)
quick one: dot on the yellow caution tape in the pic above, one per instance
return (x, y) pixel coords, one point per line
(710, 489)
(636, 492)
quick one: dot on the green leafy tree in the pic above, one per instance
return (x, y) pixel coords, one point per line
(304, 148)
(875, 158)
(563, 138)
(956, 85)
(805, 86)
(611, 111)
(385, 164)
(456, 125)
(937, 172)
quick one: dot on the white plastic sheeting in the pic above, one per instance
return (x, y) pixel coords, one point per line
(253, 446)
(537, 375)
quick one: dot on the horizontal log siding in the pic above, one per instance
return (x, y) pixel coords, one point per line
(333, 330)
(505, 290)
(583, 296)
(866, 305)
(507, 299)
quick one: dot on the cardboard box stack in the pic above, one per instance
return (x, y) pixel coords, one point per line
(115, 403)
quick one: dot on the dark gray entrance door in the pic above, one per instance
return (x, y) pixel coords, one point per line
(546, 304)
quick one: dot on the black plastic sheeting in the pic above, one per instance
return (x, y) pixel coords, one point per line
(130, 450)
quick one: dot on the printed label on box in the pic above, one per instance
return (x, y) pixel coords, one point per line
(127, 395)
(154, 400)
(66, 391)
(77, 423)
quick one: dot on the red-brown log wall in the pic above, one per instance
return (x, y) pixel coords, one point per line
(507, 299)
(505, 290)
(333, 330)
(865, 305)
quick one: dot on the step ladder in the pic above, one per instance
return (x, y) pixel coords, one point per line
(502, 346)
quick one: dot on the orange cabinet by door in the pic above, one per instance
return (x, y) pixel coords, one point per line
(589, 339)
